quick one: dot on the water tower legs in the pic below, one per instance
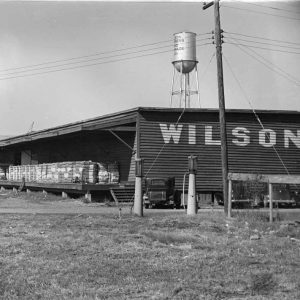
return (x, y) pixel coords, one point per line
(183, 89)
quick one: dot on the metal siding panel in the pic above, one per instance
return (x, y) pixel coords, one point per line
(253, 158)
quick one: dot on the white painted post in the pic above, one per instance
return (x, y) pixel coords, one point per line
(28, 191)
(2, 188)
(88, 196)
(229, 197)
(192, 205)
(138, 197)
(64, 195)
(271, 202)
(138, 193)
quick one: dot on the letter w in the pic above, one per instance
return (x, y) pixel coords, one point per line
(171, 132)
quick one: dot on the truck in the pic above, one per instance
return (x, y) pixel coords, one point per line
(160, 192)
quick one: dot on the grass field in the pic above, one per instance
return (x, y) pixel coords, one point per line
(160, 256)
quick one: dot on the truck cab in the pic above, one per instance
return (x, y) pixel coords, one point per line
(160, 192)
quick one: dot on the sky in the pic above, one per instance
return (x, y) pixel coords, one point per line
(53, 40)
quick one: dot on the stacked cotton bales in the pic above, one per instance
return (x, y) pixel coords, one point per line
(108, 173)
(86, 172)
(15, 173)
(113, 170)
(66, 172)
(103, 175)
(2, 173)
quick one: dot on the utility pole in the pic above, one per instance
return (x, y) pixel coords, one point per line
(222, 120)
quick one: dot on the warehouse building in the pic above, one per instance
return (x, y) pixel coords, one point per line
(164, 138)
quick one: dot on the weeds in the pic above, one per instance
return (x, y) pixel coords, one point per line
(262, 283)
(162, 256)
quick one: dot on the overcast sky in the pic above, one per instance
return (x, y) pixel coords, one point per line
(36, 33)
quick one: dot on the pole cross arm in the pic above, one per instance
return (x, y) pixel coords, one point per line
(207, 5)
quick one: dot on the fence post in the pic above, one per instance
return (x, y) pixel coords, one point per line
(229, 197)
(271, 201)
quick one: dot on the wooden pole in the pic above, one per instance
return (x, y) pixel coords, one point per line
(271, 201)
(218, 41)
(229, 198)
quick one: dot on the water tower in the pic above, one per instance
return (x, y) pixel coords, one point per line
(185, 64)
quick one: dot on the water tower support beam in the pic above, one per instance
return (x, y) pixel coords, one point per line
(185, 90)
(181, 84)
(197, 82)
(188, 89)
(171, 99)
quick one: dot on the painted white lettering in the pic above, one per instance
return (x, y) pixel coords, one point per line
(208, 137)
(171, 132)
(288, 135)
(267, 137)
(242, 139)
(192, 134)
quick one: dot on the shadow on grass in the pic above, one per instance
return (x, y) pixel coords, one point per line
(169, 237)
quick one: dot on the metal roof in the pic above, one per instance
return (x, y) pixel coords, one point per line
(110, 121)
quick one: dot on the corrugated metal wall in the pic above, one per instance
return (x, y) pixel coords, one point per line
(252, 157)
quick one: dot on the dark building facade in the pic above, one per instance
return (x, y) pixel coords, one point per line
(164, 138)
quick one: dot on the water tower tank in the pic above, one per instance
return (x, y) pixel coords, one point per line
(185, 52)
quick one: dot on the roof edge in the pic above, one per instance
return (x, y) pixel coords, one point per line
(5, 142)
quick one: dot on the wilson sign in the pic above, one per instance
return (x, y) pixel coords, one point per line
(239, 136)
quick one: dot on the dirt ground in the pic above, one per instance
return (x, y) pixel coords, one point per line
(38, 203)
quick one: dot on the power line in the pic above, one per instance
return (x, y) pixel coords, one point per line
(254, 112)
(270, 68)
(262, 38)
(99, 53)
(296, 80)
(264, 43)
(89, 65)
(164, 145)
(270, 49)
(260, 12)
(84, 61)
(272, 7)
(206, 69)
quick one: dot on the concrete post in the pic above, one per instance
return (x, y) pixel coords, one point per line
(88, 196)
(64, 195)
(192, 203)
(192, 206)
(28, 191)
(138, 197)
(2, 188)
(138, 194)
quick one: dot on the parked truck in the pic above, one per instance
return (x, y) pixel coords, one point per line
(161, 192)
